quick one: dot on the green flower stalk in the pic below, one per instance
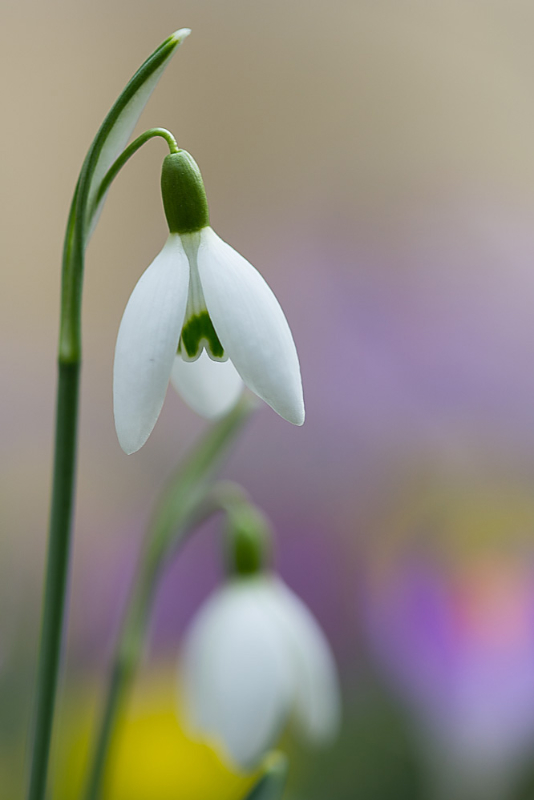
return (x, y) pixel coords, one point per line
(100, 167)
(273, 778)
(188, 499)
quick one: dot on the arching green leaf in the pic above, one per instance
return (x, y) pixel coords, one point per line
(118, 126)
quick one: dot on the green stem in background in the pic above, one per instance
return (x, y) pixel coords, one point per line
(272, 781)
(101, 159)
(188, 500)
(126, 659)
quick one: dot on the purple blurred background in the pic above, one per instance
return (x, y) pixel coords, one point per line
(374, 161)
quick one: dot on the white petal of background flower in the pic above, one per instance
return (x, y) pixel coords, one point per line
(251, 326)
(147, 342)
(211, 388)
(317, 706)
(237, 677)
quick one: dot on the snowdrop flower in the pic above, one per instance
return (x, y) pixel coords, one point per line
(202, 316)
(254, 656)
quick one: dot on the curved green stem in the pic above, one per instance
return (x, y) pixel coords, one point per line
(56, 573)
(62, 507)
(272, 781)
(127, 656)
(188, 500)
(128, 153)
(101, 159)
(63, 489)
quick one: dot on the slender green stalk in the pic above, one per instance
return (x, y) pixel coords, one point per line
(187, 501)
(102, 157)
(62, 507)
(126, 660)
(56, 574)
(128, 153)
(63, 484)
(272, 781)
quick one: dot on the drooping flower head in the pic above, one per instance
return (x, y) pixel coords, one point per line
(254, 657)
(202, 316)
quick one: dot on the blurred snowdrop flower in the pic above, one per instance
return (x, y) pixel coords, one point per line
(253, 657)
(203, 315)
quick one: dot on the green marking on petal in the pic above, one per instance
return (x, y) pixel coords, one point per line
(197, 332)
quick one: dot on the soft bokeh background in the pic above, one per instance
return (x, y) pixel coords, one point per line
(374, 160)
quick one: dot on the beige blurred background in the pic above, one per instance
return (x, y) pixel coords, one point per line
(388, 139)
(350, 118)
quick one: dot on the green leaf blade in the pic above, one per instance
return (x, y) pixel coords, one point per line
(118, 127)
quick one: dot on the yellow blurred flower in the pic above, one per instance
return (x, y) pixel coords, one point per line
(152, 759)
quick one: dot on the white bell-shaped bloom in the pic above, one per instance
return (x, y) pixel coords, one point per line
(204, 315)
(200, 295)
(254, 656)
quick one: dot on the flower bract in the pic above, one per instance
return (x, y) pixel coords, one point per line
(253, 657)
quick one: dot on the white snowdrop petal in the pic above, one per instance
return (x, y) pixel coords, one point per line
(236, 676)
(146, 344)
(317, 706)
(211, 388)
(251, 326)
